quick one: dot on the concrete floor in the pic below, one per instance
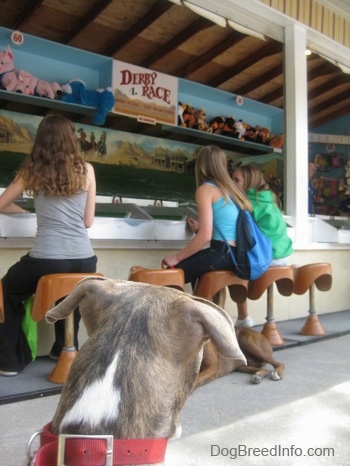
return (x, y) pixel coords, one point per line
(308, 409)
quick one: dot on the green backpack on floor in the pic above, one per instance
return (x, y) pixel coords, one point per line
(30, 327)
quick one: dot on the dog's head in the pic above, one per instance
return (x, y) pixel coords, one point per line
(133, 375)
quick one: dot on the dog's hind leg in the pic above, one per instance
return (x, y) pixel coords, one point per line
(258, 374)
(209, 366)
(277, 373)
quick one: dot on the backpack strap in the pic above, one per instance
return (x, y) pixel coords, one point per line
(216, 226)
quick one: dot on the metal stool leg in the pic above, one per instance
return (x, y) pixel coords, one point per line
(270, 330)
(60, 372)
(312, 326)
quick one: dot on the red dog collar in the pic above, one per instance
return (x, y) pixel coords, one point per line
(96, 450)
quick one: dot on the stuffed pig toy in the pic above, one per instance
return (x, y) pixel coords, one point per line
(8, 77)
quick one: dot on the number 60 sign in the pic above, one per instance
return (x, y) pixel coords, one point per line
(17, 37)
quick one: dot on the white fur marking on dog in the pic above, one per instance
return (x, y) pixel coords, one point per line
(98, 402)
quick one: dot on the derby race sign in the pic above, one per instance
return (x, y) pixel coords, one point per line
(147, 95)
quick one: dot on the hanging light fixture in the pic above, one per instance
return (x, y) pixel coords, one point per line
(217, 19)
(245, 30)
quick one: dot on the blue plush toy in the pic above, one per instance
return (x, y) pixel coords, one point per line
(103, 99)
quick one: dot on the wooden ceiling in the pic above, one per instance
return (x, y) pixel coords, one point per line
(171, 39)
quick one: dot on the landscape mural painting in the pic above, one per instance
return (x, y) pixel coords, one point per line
(127, 165)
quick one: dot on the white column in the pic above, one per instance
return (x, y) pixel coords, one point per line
(296, 130)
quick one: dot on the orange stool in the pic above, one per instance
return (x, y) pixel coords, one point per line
(2, 312)
(163, 277)
(283, 276)
(49, 290)
(307, 277)
(212, 286)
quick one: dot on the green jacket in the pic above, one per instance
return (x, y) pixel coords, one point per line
(270, 220)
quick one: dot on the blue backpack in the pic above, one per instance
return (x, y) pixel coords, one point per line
(253, 254)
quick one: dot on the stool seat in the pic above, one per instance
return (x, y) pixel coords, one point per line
(319, 274)
(50, 289)
(211, 286)
(283, 276)
(173, 278)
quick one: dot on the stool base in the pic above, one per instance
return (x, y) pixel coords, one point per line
(312, 327)
(60, 372)
(271, 333)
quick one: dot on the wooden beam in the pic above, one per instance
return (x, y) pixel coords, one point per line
(95, 11)
(176, 41)
(157, 10)
(233, 39)
(271, 48)
(28, 10)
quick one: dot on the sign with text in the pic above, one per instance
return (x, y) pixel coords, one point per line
(147, 95)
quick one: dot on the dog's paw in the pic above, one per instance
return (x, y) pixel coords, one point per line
(274, 376)
(256, 378)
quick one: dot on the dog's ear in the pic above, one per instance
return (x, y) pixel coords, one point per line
(218, 326)
(67, 306)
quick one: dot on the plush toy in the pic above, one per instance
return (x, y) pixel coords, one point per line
(8, 77)
(240, 129)
(102, 99)
(17, 80)
(250, 134)
(229, 127)
(277, 141)
(262, 135)
(185, 115)
(200, 120)
(216, 125)
(31, 85)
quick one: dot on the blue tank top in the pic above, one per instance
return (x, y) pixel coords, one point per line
(225, 215)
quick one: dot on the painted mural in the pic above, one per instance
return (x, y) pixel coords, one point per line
(126, 164)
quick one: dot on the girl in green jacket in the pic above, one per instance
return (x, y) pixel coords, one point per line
(268, 216)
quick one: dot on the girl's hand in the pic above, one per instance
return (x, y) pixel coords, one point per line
(169, 262)
(192, 224)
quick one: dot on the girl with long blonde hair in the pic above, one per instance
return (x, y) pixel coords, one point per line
(218, 202)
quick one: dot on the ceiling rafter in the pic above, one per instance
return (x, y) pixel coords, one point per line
(30, 7)
(158, 9)
(176, 41)
(323, 69)
(93, 13)
(272, 96)
(317, 121)
(336, 81)
(233, 39)
(261, 80)
(271, 48)
(334, 100)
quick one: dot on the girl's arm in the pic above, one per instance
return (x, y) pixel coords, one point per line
(89, 215)
(12, 192)
(204, 200)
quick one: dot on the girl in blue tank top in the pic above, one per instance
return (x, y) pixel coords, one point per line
(218, 201)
